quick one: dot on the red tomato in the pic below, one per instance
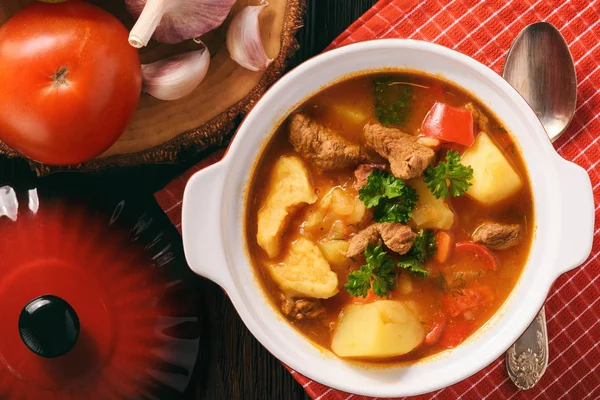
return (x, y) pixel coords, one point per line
(480, 254)
(449, 124)
(69, 81)
(455, 303)
(455, 334)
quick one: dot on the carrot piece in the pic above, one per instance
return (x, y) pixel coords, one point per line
(437, 328)
(479, 252)
(443, 242)
(455, 334)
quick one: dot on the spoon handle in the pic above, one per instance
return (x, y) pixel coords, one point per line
(527, 358)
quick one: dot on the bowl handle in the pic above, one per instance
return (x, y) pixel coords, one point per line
(577, 215)
(202, 226)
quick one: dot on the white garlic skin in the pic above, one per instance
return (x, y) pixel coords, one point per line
(173, 21)
(177, 76)
(243, 39)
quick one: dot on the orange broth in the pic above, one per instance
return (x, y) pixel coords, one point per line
(459, 271)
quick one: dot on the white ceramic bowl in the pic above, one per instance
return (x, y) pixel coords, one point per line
(214, 206)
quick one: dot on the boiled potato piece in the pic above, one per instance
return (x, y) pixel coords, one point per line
(430, 213)
(405, 285)
(337, 204)
(383, 329)
(290, 187)
(318, 212)
(304, 272)
(353, 113)
(494, 179)
(335, 251)
(339, 229)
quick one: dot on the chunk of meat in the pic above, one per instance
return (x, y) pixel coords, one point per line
(397, 237)
(301, 308)
(362, 173)
(497, 236)
(323, 146)
(363, 239)
(478, 116)
(408, 158)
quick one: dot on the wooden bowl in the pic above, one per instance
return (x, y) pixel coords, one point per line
(168, 131)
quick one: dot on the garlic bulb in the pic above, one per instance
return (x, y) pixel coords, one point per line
(173, 21)
(243, 39)
(177, 76)
(9, 204)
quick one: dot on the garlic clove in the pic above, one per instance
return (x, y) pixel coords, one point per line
(177, 76)
(243, 39)
(173, 21)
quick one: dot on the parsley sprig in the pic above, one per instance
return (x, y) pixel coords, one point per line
(423, 249)
(449, 178)
(392, 101)
(380, 185)
(377, 274)
(393, 200)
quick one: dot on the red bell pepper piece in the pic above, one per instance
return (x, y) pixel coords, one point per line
(449, 124)
(436, 91)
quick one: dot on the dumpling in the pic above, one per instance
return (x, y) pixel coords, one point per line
(290, 188)
(304, 272)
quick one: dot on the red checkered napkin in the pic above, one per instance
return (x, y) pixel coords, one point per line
(484, 30)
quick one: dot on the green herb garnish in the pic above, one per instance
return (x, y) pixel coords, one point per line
(378, 274)
(392, 101)
(423, 249)
(380, 185)
(392, 199)
(398, 209)
(455, 287)
(449, 178)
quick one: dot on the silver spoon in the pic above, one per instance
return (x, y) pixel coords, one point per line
(540, 67)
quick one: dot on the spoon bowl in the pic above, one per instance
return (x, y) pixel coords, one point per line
(540, 67)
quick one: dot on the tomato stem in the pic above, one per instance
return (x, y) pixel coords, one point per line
(60, 77)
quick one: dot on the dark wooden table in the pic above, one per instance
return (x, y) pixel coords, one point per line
(232, 364)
